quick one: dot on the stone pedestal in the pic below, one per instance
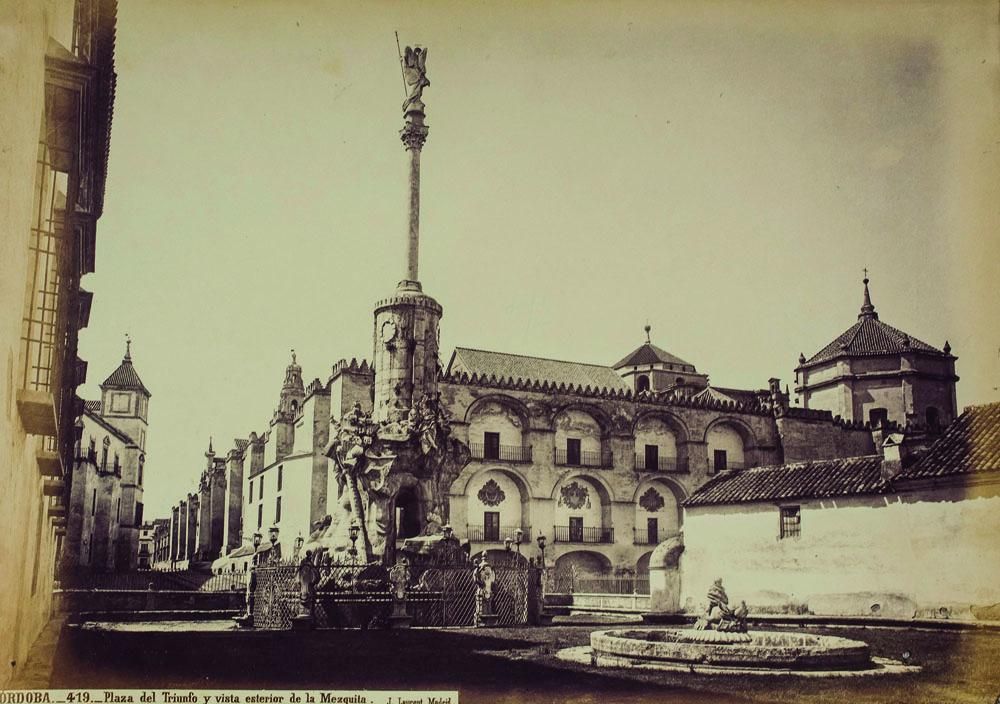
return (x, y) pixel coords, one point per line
(399, 619)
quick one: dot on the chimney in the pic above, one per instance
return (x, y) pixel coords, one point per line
(893, 454)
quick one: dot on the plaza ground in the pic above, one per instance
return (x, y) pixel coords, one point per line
(486, 665)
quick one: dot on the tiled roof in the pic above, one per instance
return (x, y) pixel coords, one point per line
(125, 377)
(649, 353)
(517, 366)
(93, 407)
(970, 444)
(802, 480)
(870, 336)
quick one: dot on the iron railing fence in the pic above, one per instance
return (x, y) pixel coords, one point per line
(571, 580)
(361, 596)
(583, 458)
(644, 536)
(584, 534)
(662, 464)
(501, 453)
(497, 534)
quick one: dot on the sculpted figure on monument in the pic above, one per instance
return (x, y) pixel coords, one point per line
(399, 577)
(373, 462)
(484, 576)
(718, 616)
(414, 62)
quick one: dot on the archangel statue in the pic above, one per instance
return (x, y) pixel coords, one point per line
(414, 62)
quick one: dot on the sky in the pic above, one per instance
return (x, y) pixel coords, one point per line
(722, 170)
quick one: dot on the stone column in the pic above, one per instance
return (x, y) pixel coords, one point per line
(174, 537)
(413, 135)
(406, 324)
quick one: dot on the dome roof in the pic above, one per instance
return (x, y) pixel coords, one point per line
(869, 337)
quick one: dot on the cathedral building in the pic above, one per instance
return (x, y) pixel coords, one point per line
(106, 509)
(597, 458)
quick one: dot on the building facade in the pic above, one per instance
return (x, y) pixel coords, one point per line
(598, 459)
(57, 87)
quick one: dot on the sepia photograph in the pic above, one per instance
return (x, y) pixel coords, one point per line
(460, 351)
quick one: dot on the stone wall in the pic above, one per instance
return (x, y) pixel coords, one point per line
(27, 552)
(901, 554)
(808, 434)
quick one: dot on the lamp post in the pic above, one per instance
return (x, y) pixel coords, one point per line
(353, 552)
(257, 538)
(449, 533)
(518, 537)
(507, 542)
(541, 546)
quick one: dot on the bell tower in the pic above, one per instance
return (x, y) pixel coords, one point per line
(125, 400)
(289, 406)
(406, 335)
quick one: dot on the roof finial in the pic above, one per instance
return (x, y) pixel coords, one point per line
(867, 309)
(128, 346)
(210, 450)
(647, 329)
(293, 355)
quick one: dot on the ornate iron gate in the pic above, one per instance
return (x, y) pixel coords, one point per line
(359, 596)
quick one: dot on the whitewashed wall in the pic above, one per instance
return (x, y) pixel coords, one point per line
(908, 553)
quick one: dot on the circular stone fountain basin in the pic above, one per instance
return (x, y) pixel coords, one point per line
(756, 650)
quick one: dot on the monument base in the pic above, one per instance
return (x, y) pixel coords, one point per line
(303, 622)
(399, 619)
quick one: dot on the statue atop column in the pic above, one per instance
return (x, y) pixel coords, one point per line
(414, 61)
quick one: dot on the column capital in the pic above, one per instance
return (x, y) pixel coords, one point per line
(413, 135)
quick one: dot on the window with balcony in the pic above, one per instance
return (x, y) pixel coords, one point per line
(491, 446)
(491, 526)
(652, 457)
(791, 525)
(641, 383)
(575, 529)
(719, 461)
(573, 453)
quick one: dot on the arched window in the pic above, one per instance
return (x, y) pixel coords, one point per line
(641, 383)
(877, 417)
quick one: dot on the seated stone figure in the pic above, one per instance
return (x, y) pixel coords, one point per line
(718, 616)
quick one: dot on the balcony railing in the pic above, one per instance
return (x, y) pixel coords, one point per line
(731, 466)
(662, 464)
(586, 534)
(583, 458)
(643, 536)
(501, 453)
(480, 534)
